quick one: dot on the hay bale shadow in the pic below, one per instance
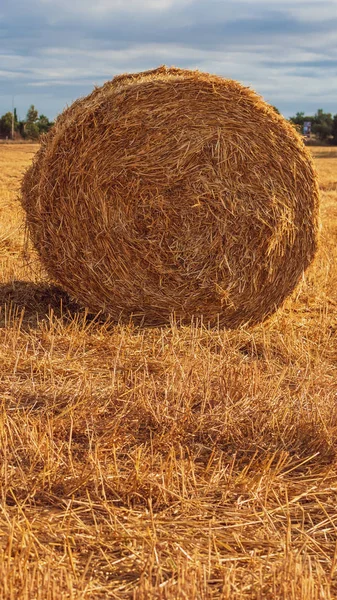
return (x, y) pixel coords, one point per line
(30, 303)
(33, 302)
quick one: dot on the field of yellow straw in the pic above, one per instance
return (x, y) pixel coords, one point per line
(165, 463)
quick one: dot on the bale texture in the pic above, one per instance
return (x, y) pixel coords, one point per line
(174, 191)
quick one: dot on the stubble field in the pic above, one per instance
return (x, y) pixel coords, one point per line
(173, 463)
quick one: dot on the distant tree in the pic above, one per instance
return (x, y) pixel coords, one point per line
(298, 119)
(334, 130)
(32, 114)
(322, 124)
(44, 124)
(6, 124)
(276, 109)
(21, 128)
(31, 128)
(32, 131)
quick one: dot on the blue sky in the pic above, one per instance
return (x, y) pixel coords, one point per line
(53, 51)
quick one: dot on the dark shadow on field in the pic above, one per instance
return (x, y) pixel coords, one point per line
(33, 302)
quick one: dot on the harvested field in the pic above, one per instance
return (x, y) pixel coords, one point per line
(165, 463)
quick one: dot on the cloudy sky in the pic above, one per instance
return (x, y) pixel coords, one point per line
(53, 51)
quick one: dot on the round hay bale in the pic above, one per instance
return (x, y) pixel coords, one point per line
(174, 191)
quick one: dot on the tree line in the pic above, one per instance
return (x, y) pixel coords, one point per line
(323, 125)
(30, 128)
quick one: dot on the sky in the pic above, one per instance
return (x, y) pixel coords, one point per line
(53, 51)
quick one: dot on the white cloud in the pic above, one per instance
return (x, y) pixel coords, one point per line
(307, 10)
(8, 74)
(66, 66)
(67, 46)
(103, 7)
(314, 12)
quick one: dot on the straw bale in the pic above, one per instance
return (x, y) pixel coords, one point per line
(174, 191)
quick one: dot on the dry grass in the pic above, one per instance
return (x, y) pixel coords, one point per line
(173, 463)
(174, 191)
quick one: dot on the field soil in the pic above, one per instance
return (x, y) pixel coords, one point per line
(165, 463)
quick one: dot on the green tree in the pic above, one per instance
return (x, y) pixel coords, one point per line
(32, 131)
(298, 119)
(322, 124)
(32, 114)
(44, 124)
(6, 124)
(21, 128)
(334, 130)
